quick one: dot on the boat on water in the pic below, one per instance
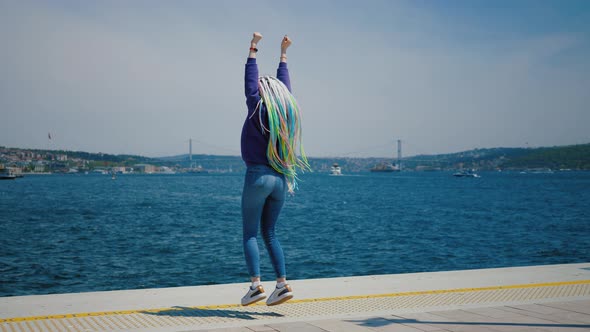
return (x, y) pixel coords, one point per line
(6, 174)
(335, 170)
(199, 169)
(466, 174)
(385, 167)
(540, 171)
(388, 167)
(166, 170)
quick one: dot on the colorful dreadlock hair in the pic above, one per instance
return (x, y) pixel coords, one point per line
(284, 129)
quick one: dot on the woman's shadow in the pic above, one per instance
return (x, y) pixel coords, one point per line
(178, 311)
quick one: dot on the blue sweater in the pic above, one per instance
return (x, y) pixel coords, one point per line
(254, 140)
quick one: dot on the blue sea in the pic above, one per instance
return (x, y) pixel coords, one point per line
(78, 233)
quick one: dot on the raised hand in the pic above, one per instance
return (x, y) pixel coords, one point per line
(256, 37)
(285, 43)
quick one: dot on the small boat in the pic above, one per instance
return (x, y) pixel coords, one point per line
(385, 167)
(335, 170)
(166, 170)
(537, 171)
(199, 169)
(541, 171)
(6, 174)
(466, 174)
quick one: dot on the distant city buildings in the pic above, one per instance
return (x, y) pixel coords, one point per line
(20, 161)
(144, 168)
(31, 161)
(122, 170)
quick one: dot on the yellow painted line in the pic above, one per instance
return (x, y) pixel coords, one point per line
(444, 291)
(338, 298)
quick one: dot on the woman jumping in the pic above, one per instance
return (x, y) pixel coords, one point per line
(270, 139)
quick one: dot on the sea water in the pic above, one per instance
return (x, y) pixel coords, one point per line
(78, 233)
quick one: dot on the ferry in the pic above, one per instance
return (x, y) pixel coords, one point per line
(390, 167)
(335, 170)
(385, 167)
(6, 174)
(466, 174)
(166, 170)
(199, 169)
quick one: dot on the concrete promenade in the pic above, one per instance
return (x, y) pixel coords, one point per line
(535, 298)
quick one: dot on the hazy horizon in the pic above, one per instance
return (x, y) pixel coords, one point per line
(144, 77)
(393, 156)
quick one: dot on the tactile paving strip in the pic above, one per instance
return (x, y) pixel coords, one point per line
(201, 317)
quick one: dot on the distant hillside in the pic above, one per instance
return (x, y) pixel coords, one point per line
(570, 157)
(575, 157)
(559, 157)
(122, 159)
(478, 158)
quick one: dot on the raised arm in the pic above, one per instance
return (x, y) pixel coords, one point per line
(282, 71)
(251, 75)
(256, 37)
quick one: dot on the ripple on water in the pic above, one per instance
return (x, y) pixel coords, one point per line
(166, 231)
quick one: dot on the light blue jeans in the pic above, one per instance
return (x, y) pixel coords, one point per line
(262, 200)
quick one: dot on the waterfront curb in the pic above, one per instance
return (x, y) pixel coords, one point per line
(316, 308)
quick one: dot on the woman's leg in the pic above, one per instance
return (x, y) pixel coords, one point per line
(270, 215)
(254, 195)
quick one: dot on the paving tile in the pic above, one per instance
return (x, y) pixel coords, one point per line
(261, 328)
(524, 323)
(522, 311)
(581, 306)
(494, 312)
(339, 325)
(426, 316)
(565, 329)
(470, 328)
(369, 322)
(458, 320)
(508, 323)
(558, 313)
(428, 319)
(541, 309)
(397, 328)
(574, 316)
(555, 315)
(379, 323)
(296, 327)
(384, 324)
(461, 315)
(414, 323)
(528, 329)
(227, 329)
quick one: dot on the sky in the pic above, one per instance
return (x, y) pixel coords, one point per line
(144, 77)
